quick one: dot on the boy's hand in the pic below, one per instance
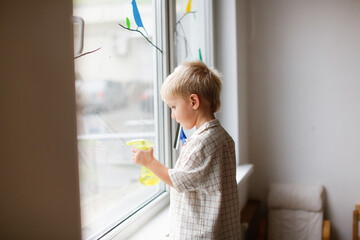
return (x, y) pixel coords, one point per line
(146, 158)
(142, 157)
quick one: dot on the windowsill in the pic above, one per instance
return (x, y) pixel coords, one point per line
(243, 172)
(158, 227)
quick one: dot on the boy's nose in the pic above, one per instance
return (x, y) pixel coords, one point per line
(172, 115)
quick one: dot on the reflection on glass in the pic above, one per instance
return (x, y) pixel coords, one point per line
(115, 100)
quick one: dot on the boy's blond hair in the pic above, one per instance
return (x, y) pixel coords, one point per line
(194, 78)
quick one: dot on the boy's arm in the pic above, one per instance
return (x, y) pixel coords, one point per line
(160, 170)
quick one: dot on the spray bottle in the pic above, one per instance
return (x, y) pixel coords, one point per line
(146, 177)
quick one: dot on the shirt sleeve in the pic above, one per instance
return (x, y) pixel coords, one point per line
(196, 173)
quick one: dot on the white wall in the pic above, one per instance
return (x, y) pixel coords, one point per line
(38, 154)
(225, 48)
(304, 94)
(230, 46)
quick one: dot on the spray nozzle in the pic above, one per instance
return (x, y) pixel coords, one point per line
(141, 144)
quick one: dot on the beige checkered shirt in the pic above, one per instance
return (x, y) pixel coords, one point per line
(204, 201)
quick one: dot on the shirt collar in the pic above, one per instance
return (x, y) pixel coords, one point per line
(204, 127)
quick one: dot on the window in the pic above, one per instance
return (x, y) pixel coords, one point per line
(119, 68)
(118, 76)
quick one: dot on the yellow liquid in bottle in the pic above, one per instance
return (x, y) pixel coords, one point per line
(147, 177)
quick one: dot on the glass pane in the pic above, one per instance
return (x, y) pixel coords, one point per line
(116, 85)
(192, 30)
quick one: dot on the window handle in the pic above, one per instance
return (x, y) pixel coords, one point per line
(81, 23)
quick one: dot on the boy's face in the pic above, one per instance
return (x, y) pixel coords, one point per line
(182, 110)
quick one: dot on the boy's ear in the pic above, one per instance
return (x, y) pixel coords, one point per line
(195, 101)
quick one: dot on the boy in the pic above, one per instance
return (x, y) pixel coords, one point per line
(203, 198)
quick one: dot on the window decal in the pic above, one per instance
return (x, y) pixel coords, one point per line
(188, 11)
(139, 23)
(83, 54)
